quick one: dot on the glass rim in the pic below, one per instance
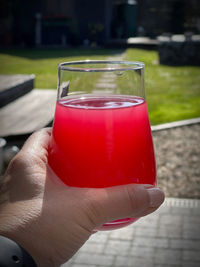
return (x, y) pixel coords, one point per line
(131, 65)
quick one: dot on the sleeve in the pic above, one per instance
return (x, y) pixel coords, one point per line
(12, 254)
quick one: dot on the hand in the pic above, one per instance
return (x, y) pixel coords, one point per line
(51, 220)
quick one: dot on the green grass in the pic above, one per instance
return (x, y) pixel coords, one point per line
(172, 93)
(43, 63)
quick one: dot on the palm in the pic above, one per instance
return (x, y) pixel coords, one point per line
(49, 198)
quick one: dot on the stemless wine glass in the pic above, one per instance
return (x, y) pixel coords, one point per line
(101, 133)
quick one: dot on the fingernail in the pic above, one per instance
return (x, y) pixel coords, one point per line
(156, 197)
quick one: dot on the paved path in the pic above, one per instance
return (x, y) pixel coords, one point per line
(170, 237)
(107, 81)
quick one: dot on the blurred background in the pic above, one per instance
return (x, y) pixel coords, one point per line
(76, 22)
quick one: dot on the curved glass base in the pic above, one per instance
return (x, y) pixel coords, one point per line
(116, 224)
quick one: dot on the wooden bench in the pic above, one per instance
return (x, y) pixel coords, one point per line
(28, 113)
(14, 86)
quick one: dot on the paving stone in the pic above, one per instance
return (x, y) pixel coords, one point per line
(106, 85)
(148, 221)
(108, 75)
(69, 263)
(189, 255)
(133, 262)
(185, 244)
(116, 247)
(93, 259)
(103, 91)
(168, 219)
(181, 211)
(151, 242)
(192, 233)
(142, 252)
(169, 256)
(124, 233)
(191, 221)
(190, 264)
(93, 247)
(85, 265)
(164, 210)
(108, 79)
(146, 231)
(169, 231)
(195, 211)
(82, 265)
(100, 236)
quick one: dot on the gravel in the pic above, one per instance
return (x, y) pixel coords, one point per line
(177, 153)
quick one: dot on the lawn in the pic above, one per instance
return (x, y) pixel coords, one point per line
(172, 93)
(44, 62)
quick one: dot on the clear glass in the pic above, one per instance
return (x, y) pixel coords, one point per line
(101, 133)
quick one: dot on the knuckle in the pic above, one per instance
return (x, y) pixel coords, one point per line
(132, 196)
(95, 209)
(137, 198)
(17, 163)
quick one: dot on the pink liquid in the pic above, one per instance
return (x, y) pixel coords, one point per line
(102, 141)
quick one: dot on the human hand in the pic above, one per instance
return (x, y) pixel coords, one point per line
(51, 220)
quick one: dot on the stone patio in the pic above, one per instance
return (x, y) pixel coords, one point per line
(170, 237)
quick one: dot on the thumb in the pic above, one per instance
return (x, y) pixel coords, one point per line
(132, 200)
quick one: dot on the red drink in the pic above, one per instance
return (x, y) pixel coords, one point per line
(102, 141)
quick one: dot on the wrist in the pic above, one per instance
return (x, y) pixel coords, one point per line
(12, 223)
(11, 232)
(14, 226)
(12, 254)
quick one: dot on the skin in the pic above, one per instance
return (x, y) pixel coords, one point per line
(47, 218)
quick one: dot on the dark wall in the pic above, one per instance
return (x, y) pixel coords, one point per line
(73, 21)
(91, 19)
(17, 21)
(169, 16)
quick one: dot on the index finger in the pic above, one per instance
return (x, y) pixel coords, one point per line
(38, 142)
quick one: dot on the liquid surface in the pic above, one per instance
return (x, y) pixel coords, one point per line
(102, 102)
